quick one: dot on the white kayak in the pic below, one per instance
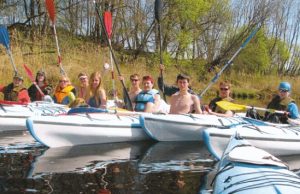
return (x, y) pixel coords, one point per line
(278, 140)
(80, 129)
(13, 116)
(249, 170)
(188, 127)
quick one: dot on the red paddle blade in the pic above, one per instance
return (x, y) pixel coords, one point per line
(29, 72)
(108, 23)
(51, 9)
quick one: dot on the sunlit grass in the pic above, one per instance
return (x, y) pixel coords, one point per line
(85, 56)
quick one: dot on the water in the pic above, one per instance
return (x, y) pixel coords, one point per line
(139, 167)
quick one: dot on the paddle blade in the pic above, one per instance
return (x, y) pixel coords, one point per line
(51, 9)
(29, 73)
(231, 106)
(4, 37)
(158, 10)
(108, 23)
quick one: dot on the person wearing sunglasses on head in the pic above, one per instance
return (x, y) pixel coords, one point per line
(282, 101)
(64, 92)
(15, 91)
(224, 94)
(83, 87)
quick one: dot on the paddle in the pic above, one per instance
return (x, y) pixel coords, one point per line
(108, 26)
(51, 11)
(113, 55)
(232, 106)
(4, 39)
(158, 13)
(31, 77)
(217, 76)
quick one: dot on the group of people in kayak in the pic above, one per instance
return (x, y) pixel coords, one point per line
(146, 99)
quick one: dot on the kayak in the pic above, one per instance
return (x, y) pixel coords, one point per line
(85, 157)
(13, 115)
(88, 128)
(278, 140)
(246, 169)
(187, 127)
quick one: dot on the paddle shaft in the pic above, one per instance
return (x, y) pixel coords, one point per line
(217, 76)
(113, 55)
(157, 14)
(62, 71)
(12, 61)
(265, 109)
(30, 75)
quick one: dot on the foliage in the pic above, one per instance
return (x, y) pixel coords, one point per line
(255, 57)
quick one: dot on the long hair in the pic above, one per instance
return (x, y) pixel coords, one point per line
(95, 92)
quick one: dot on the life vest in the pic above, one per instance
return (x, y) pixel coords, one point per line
(11, 93)
(143, 98)
(279, 104)
(62, 96)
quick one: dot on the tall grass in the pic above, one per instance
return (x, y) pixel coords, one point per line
(84, 56)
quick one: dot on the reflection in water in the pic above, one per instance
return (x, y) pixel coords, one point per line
(108, 168)
(141, 167)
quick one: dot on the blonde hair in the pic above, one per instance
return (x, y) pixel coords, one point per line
(62, 77)
(95, 92)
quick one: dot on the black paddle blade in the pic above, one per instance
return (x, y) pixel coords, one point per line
(158, 9)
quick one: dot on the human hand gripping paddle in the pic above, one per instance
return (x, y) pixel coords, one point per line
(112, 53)
(31, 77)
(239, 107)
(4, 39)
(51, 11)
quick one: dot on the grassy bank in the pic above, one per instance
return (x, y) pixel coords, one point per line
(85, 56)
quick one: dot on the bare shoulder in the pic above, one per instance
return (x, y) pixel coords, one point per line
(194, 97)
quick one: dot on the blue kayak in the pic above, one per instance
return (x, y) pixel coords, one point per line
(246, 169)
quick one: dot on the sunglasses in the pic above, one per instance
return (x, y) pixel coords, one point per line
(134, 80)
(224, 89)
(283, 91)
(63, 81)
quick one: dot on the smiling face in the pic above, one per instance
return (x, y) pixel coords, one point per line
(147, 85)
(40, 77)
(63, 82)
(95, 82)
(83, 81)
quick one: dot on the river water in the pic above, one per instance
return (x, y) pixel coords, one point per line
(139, 167)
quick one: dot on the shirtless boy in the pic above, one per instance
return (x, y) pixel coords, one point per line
(182, 102)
